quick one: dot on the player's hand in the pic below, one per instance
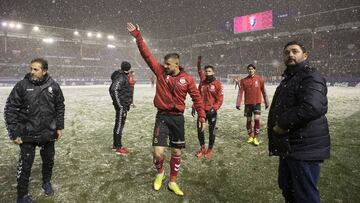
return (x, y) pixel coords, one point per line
(238, 107)
(202, 126)
(58, 134)
(199, 59)
(131, 27)
(18, 140)
(193, 112)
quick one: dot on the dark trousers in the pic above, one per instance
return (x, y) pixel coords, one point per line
(298, 179)
(211, 117)
(120, 119)
(26, 159)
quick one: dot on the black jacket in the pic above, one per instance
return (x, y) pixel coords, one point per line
(34, 110)
(299, 105)
(120, 90)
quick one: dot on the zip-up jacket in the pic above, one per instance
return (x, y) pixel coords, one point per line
(120, 90)
(299, 106)
(170, 90)
(253, 88)
(211, 91)
(34, 110)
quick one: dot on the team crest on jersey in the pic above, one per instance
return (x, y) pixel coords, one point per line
(50, 89)
(256, 83)
(212, 88)
(182, 81)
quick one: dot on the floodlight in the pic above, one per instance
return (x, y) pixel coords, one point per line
(18, 26)
(36, 28)
(48, 40)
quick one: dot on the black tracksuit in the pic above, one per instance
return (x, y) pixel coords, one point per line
(34, 111)
(211, 117)
(121, 96)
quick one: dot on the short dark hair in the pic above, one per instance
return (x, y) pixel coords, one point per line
(125, 66)
(251, 65)
(302, 47)
(209, 66)
(43, 62)
(171, 55)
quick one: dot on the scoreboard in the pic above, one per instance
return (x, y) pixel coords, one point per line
(253, 22)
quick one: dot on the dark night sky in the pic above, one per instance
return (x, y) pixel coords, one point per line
(159, 18)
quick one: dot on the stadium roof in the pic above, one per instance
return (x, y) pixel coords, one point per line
(159, 19)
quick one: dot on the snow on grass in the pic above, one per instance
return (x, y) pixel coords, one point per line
(86, 170)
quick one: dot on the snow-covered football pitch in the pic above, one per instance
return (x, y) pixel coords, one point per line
(86, 170)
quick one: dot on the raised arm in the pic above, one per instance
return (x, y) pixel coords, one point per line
(145, 52)
(201, 72)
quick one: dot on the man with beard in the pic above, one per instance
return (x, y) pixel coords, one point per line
(212, 94)
(34, 116)
(253, 87)
(172, 86)
(121, 95)
(297, 127)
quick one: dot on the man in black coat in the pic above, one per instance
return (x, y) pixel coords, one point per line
(121, 95)
(34, 116)
(297, 127)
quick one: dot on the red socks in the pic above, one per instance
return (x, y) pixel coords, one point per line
(249, 127)
(257, 127)
(158, 162)
(174, 167)
(175, 162)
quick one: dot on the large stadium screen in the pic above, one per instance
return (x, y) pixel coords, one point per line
(253, 22)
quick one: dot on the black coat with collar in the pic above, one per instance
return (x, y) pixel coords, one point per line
(34, 110)
(299, 105)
